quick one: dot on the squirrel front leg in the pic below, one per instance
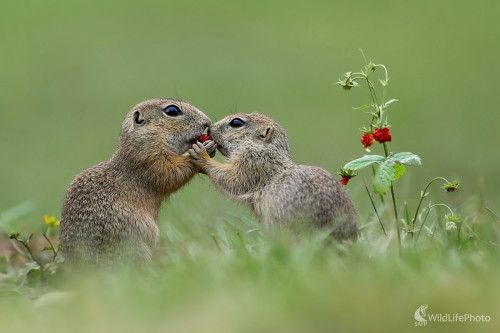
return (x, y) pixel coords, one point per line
(221, 175)
(211, 148)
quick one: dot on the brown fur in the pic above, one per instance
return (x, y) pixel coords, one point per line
(110, 210)
(260, 172)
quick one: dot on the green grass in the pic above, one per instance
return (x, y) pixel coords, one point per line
(216, 273)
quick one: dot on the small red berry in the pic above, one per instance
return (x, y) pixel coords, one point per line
(345, 180)
(367, 140)
(346, 175)
(204, 137)
(382, 135)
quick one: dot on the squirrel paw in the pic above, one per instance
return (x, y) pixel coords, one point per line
(211, 147)
(201, 152)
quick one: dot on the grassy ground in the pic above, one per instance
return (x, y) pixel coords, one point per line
(71, 70)
(227, 276)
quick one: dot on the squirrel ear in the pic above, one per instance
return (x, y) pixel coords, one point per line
(138, 118)
(266, 133)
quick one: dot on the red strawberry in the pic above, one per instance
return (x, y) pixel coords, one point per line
(345, 180)
(382, 135)
(367, 140)
(204, 137)
(346, 175)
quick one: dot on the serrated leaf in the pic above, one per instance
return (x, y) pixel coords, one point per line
(389, 102)
(399, 170)
(362, 107)
(406, 158)
(364, 161)
(384, 175)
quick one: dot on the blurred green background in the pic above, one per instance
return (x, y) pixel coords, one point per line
(70, 70)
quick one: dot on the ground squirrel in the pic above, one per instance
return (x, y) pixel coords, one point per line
(259, 171)
(110, 210)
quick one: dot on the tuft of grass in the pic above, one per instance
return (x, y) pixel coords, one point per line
(226, 275)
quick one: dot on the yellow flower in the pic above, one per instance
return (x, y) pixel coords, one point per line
(51, 221)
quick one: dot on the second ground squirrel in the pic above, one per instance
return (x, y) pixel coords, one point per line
(260, 172)
(110, 210)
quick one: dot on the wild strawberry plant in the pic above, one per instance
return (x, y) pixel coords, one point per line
(388, 167)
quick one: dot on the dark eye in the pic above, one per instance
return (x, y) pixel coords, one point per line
(172, 111)
(236, 122)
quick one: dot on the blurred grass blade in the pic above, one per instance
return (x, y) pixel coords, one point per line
(9, 217)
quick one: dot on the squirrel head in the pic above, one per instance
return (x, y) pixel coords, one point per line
(162, 124)
(256, 134)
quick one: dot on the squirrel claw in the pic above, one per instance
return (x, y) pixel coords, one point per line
(211, 147)
(201, 153)
(198, 153)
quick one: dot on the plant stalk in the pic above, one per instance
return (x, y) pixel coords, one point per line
(27, 247)
(386, 151)
(423, 195)
(375, 208)
(427, 214)
(54, 252)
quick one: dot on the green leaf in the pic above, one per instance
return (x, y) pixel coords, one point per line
(14, 235)
(399, 170)
(366, 106)
(389, 102)
(364, 161)
(406, 158)
(384, 175)
(33, 275)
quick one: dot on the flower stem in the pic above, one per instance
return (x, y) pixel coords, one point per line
(396, 217)
(375, 208)
(386, 151)
(426, 215)
(422, 196)
(51, 247)
(27, 247)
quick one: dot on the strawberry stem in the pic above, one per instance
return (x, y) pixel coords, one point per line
(423, 194)
(386, 151)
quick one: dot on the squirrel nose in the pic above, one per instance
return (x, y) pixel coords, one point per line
(206, 123)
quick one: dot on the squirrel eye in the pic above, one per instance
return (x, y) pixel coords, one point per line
(236, 122)
(172, 111)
